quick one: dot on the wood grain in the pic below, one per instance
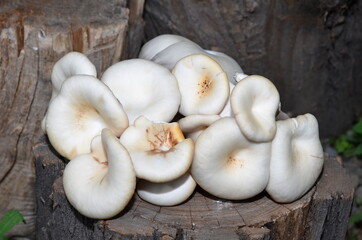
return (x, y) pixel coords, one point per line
(321, 214)
(33, 36)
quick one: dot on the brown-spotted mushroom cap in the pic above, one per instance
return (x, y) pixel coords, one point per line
(168, 49)
(159, 151)
(228, 165)
(100, 184)
(296, 158)
(255, 101)
(193, 125)
(203, 84)
(144, 88)
(83, 107)
(168, 193)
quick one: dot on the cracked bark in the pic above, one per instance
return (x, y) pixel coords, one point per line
(321, 214)
(33, 36)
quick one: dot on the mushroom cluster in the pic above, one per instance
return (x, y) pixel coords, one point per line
(174, 118)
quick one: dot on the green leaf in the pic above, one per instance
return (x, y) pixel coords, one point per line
(355, 218)
(9, 220)
(342, 144)
(357, 128)
(358, 150)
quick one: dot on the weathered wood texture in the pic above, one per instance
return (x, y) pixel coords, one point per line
(33, 36)
(321, 214)
(311, 50)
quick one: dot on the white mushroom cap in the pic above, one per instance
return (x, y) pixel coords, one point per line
(203, 85)
(193, 125)
(230, 66)
(174, 53)
(168, 193)
(158, 44)
(296, 158)
(73, 63)
(83, 107)
(227, 111)
(144, 88)
(100, 184)
(167, 49)
(228, 165)
(159, 151)
(255, 101)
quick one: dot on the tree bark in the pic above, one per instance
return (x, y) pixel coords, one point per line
(309, 49)
(33, 36)
(321, 214)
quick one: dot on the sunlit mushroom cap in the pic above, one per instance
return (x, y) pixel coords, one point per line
(83, 107)
(73, 63)
(228, 165)
(254, 102)
(159, 151)
(296, 159)
(203, 85)
(168, 193)
(100, 184)
(158, 44)
(144, 88)
(193, 125)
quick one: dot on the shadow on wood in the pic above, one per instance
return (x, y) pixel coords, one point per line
(321, 214)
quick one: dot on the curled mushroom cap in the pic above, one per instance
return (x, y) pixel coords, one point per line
(193, 125)
(83, 107)
(203, 85)
(144, 88)
(100, 184)
(296, 158)
(158, 44)
(159, 151)
(73, 63)
(228, 165)
(168, 193)
(254, 102)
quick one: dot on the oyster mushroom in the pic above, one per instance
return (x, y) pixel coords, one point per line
(159, 151)
(203, 85)
(73, 63)
(227, 165)
(254, 102)
(144, 88)
(100, 184)
(168, 193)
(193, 125)
(296, 158)
(168, 49)
(83, 107)
(158, 44)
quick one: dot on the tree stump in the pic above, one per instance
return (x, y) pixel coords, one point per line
(33, 36)
(309, 49)
(321, 214)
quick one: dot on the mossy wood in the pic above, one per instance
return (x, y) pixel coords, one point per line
(321, 214)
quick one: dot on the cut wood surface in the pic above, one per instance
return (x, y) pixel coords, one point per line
(33, 36)
(321, 214)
